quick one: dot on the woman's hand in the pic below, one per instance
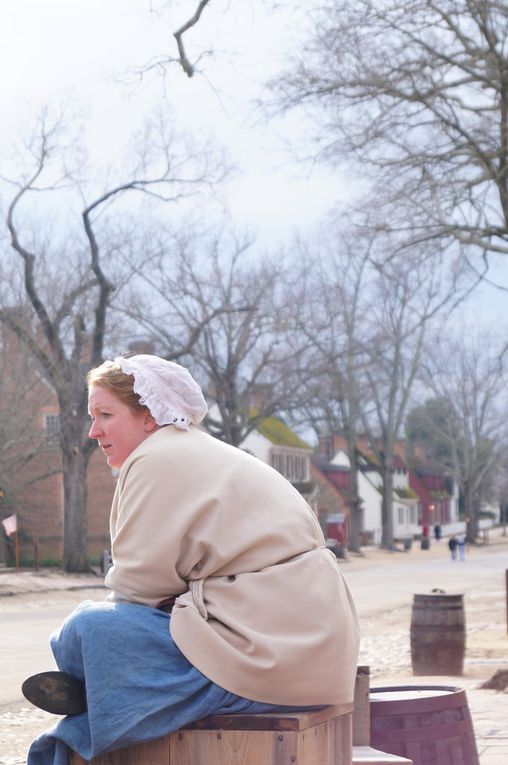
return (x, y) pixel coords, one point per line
(167, 604)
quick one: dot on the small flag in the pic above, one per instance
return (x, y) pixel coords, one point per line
(10, 524)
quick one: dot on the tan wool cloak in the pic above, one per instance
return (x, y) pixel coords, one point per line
(262, 608)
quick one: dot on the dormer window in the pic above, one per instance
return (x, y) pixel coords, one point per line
(292, 464)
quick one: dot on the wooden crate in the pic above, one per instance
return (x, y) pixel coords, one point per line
(321, 737)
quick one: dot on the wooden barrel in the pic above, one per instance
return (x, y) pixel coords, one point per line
(430, 725)
(438, 634)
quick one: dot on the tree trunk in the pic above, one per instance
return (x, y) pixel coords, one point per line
(472, 528)
(356, 526)
(355, 504)
(75, 531)
(387, 508)
(469, 513)
(473, 525)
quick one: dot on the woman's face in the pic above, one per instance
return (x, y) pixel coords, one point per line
(117, 428)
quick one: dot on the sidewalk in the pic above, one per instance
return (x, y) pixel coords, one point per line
(384, 646)
(46, 580)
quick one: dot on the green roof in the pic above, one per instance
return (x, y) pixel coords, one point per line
(279, 434)
(406, 493)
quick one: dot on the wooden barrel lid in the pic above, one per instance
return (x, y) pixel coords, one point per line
(444, 596)
(423, 698)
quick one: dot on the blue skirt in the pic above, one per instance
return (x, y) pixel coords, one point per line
(139, 685)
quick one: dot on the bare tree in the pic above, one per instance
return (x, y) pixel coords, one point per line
(468, 373)
(366, 313)
(250, 352)
(407, 296)
(332, 310)
(416, 91)
(68, 281)
(223, 311)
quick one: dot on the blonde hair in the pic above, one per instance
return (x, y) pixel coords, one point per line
(109, 375)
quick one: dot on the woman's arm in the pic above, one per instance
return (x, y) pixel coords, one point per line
(147, 530)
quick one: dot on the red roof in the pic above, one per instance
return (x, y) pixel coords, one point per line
(339, 477)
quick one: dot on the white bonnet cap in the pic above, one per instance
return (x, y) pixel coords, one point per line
(167, 389)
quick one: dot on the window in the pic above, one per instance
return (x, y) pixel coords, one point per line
(52, 429)
(292, 465)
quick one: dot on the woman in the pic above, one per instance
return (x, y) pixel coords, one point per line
(223, 597)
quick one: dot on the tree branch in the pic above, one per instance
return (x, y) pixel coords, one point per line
(187, 67)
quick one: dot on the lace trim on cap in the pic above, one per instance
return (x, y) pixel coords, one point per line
(167, 389)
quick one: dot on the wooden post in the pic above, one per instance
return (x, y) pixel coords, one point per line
(16, 549)
(36, 555)
(361, 712)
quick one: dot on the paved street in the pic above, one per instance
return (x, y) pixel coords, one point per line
(383, 585)
(26, 621)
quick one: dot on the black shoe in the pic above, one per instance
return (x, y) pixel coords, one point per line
(56, 692)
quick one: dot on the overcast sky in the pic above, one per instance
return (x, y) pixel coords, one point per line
(75, 52)
(78, 52)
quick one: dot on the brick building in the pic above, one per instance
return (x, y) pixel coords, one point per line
(30, 464)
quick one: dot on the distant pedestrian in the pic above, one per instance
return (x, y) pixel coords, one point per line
(452, 544)
(461, 542)
(437, 532)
